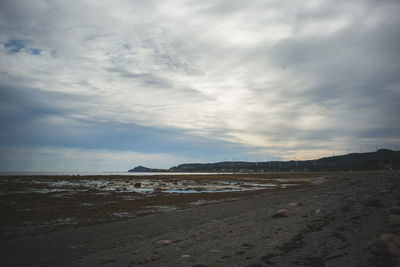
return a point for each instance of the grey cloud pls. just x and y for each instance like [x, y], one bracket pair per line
[145, 79]
[159, 83]
[180, 59]
[355, 66]
[27, 103]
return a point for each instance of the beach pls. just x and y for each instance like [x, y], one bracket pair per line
[312, 219]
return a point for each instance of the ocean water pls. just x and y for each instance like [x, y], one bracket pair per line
[52, 173]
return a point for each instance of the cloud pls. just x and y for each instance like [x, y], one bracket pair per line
[37, 118]
[266, 78]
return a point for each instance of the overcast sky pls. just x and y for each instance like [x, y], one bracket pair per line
[109, 85]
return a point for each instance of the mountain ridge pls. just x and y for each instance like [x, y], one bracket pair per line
[380, 159]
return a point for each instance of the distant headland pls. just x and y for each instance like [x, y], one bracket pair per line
[378, 160]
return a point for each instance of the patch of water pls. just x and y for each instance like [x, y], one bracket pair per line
[123, 214]
[129, 198]
[181, 191]
[45, 190]
[72, 220]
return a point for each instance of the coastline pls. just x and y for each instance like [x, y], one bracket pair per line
[331, 224]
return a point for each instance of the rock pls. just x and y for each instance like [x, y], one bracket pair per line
[386, 244]
[281, 214]
[138, 185]
[394, 210]
[163, 242]
[317, 211]
[371, 201]
[216, 251]
[294, 204]
[394, 219]
[185, 257]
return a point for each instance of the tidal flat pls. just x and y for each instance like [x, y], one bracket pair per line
[325, 219]
[40, 204]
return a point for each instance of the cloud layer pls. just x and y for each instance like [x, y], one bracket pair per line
[201, 79]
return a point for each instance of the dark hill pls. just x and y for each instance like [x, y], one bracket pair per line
[140, 169]
[381, 159]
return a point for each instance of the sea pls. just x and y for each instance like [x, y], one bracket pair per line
[53, 173]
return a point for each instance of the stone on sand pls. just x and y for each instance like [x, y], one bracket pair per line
[163, 242]
[281, 214]
[394, 219]
[185, 257]
[394, 210]
[386, 244]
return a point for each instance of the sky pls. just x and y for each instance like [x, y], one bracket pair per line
[109, 85]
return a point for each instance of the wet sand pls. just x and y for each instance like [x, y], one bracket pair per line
[41, 204]
[328, 224]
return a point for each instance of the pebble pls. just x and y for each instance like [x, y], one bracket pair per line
[294, 204]
[216, 251]
[371, 201]
[163, 242]
[394, 219]
[317, 211]
[386, 244]
[281, 214]
[185, 257]
[394, 210]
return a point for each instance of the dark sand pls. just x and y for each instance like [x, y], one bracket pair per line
[331, 225]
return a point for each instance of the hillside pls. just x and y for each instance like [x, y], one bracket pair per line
[381, 159]
[140, 169]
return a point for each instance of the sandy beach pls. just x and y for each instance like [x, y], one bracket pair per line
[332, 222]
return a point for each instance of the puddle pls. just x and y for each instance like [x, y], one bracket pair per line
[45, 190]
[162, 208]
[181, 191]
[203, 202]
[64, 221]
[288, 185]
[129, 198]
[156, 208]
[123, 214]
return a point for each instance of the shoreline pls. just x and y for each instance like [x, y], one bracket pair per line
[40, 204]
[331, 224]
